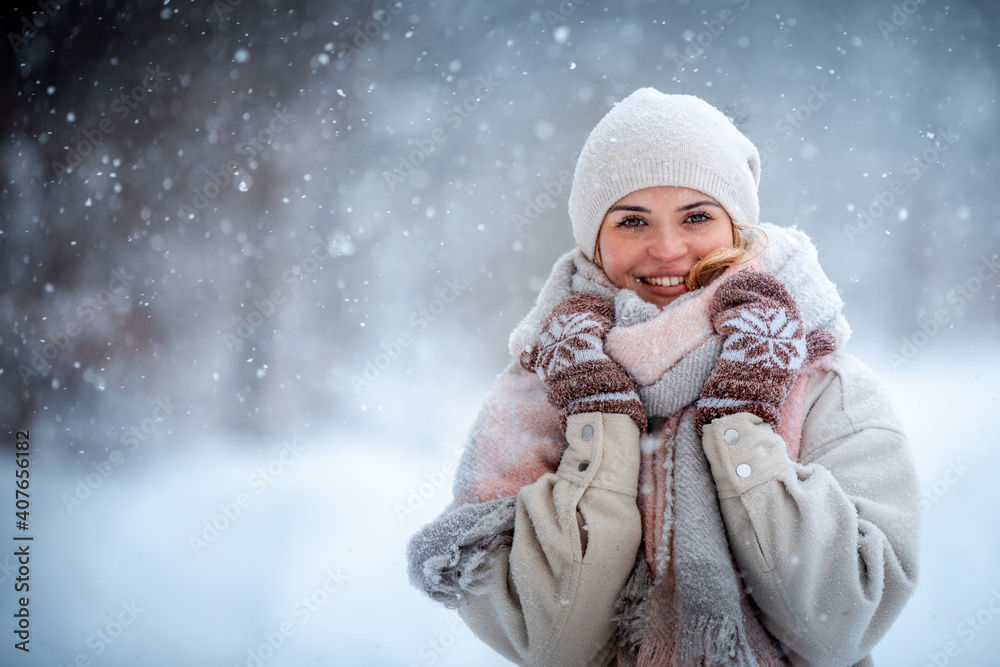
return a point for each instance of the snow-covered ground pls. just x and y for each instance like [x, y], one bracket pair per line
[950, 406]
[308, 556]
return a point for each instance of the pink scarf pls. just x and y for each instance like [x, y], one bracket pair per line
[669, 354]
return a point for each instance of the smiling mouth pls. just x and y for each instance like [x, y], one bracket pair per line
[664, 281]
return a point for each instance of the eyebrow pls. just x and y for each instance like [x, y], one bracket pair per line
[642, 209]
[697, 204]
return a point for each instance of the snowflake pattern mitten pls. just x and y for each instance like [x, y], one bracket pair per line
[763, 349]
[570, 359]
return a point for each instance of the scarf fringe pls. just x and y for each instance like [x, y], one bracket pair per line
[715, 641]
[655, 653]
[632, 607]
[452, 557]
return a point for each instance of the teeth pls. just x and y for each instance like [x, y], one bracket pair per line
[666, 281]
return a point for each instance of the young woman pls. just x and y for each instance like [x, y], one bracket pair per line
[680, 466]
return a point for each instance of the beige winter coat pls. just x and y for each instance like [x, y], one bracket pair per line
[828, 544]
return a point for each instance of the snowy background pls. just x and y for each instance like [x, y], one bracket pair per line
[259, 261]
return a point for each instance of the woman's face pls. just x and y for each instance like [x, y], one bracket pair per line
[650, 239]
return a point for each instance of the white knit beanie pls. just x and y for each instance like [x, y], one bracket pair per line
[650, 139]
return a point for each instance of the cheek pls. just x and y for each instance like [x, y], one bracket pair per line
[615, 266]
[723, 238]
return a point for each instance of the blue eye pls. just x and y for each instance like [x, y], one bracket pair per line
[699, 218]
[631, 221]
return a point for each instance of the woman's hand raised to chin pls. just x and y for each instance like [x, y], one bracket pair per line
[570, 359]
[763, 349]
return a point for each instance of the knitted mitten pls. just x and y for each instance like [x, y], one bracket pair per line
[570, 359]
[765, 346]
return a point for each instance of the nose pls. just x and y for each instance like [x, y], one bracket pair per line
[666, 245]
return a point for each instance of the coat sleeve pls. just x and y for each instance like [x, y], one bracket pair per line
[548, 602]
[828, 544]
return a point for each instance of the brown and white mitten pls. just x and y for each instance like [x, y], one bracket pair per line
[764, 347]
[570, 359]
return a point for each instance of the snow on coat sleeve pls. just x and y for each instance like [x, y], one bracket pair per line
[828, 544]
[516, 439]
[549, 604]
